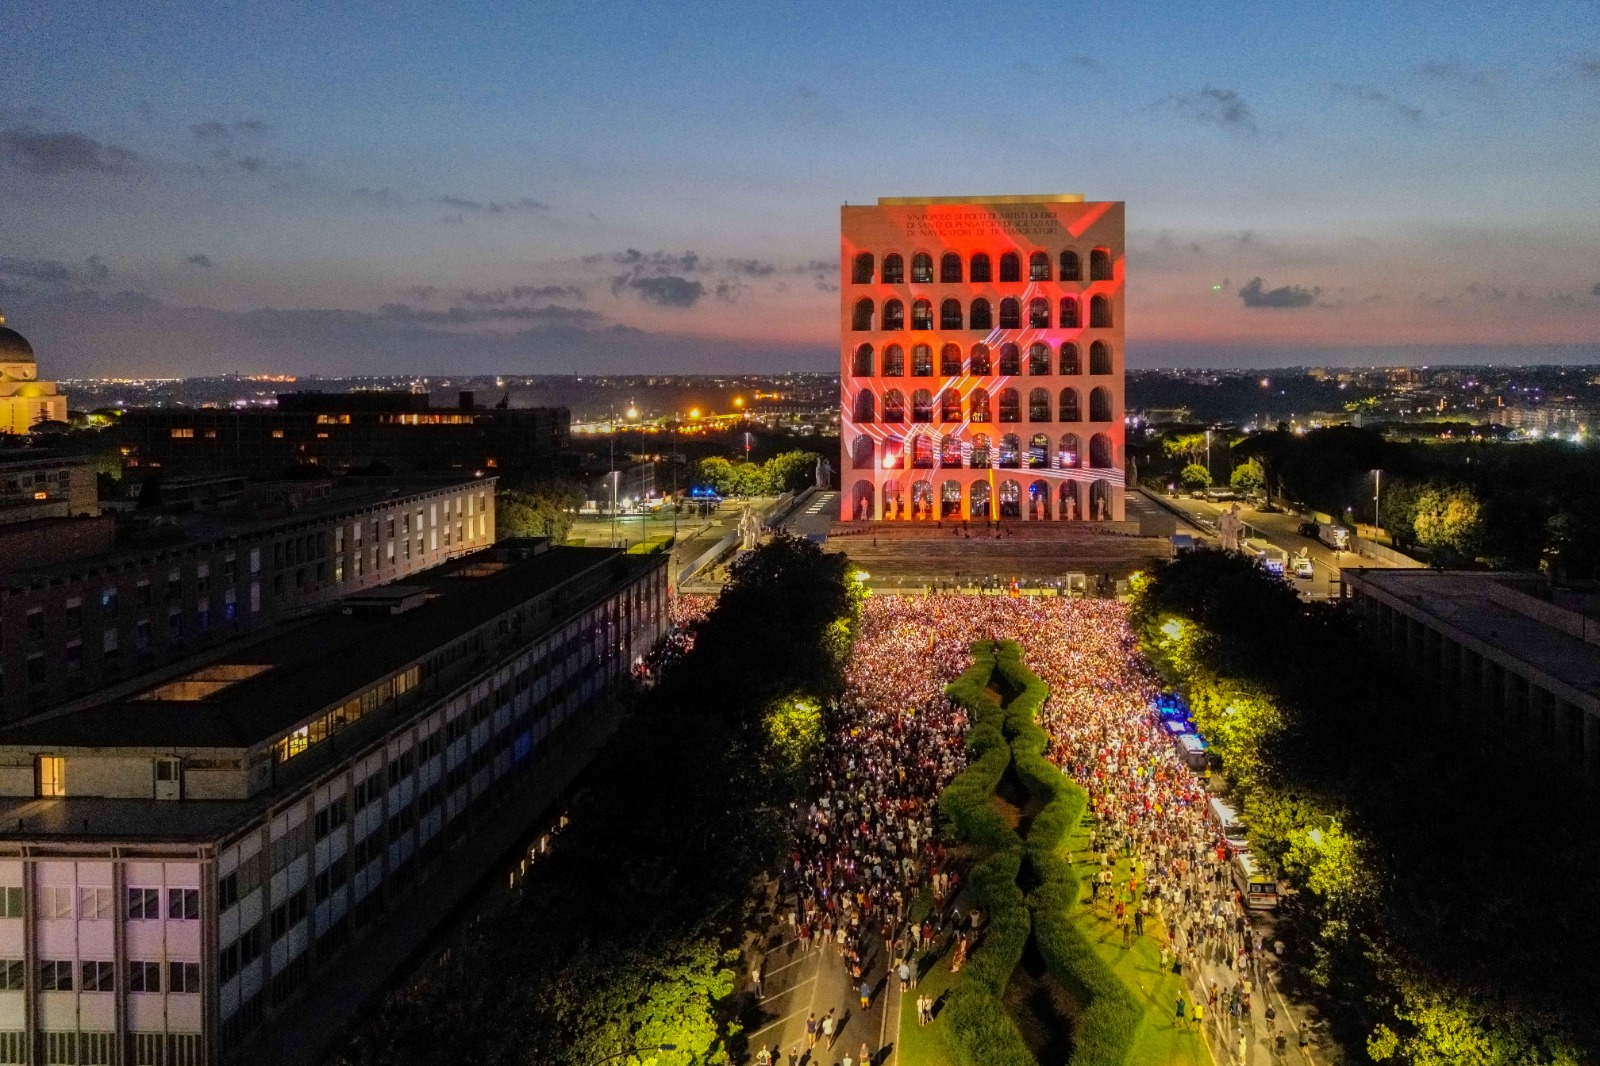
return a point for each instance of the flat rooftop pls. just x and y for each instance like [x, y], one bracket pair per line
[296, 670]
[1023, 198]
[1476, 604]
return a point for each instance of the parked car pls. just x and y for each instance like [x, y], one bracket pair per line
[1308, 529]
[1302, 566]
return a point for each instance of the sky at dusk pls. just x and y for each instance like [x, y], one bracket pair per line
[190, 187]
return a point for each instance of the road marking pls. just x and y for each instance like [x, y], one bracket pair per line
[776, 1021]
[784, 992]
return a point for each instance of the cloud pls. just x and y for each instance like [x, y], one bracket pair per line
[1588, 68]
[466, 315]
[1373, 95]
[1454, 72]
[1089, 63]
[213, 131]
[668, 290]
[37, 275]
[493, 207]
[200, 260]
[1256, 294]
[1596, 290]
[58, 154]
[752, 268]
[519, 293]
[1219, 107]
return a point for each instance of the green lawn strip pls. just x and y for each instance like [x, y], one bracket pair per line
[925, 1045]
[1124, 1019]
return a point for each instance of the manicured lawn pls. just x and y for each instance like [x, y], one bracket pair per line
[1159, 1042]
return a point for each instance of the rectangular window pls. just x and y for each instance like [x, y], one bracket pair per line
[55, 976]
[99, 976]
[74, 615]
[13, 974]
[55, 901]
[183, 904]
[52, 771]
[108, 600]
[94, 904]
[182, 433]
[183, 977]
[144, 904]
[144, 977]
[142, 594]
[36, 624]
[11, 901]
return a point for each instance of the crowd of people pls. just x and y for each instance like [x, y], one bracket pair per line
[867, 844]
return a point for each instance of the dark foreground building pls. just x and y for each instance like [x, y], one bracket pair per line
[186, 872]
[400, 431]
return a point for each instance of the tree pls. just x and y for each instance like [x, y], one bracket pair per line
[1189, 446]
[543, 509]
[1248, 476]
[790, 471]
[717, 474]
[1449, 521]
[1195, 476]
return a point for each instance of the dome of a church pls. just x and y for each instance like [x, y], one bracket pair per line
[14, 347]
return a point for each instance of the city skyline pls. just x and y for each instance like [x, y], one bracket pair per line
[477, 188]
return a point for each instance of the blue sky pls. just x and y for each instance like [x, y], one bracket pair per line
[190, 187]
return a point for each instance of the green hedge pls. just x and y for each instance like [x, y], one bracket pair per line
[1105, 1030]
[982, 1033]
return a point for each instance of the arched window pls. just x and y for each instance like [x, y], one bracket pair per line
[862, 274]
[1010, 267]
[921, 361]
[1010, 498]
[1038, 313]
[1010, 360]
[950, 359]
[921, 269]
[1070, 456]
[894, 313]
[861, 501]
[861, 365]
[1010, 313]
[1070, 509]
[864, 407]
[1071, 266]
[1068, 410]
[863, 454]
[1100, 405]
[1010, 406]
[1039, 405]
[981, 270]
[950, 495]
[1069, 312]
[1099, 358]
[894, 457]
[982, 316]
[1100, 452]
[894, 361]
[949, 406]
[1039, 452]
[1039, 266]
[950, 453]
[922, 452]
[1038, 499]
[979, 499]
[1069, 359]
[862, 319]
[1100, 500]
[894, 269]
[1099, 264]
[922, 315]
[981, 453]
[1038, 359]
[980, 360]
[950, 268]
[1010, 451]
[978, 408]
[950, 314]
[922, 406]
[894, 406]
[1099, 313]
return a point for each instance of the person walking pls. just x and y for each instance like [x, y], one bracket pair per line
[755, 977]
[811, 1030]
[866, 994]
[1177, 1014]
[1199, 1014]
[905, 975]
[828, 1029]
[864, 1057]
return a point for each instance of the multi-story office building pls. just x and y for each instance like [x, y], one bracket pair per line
[400, 432]
[71, 627]
[36, 485]
[981, 358]
[1513, 662]
[181, 864]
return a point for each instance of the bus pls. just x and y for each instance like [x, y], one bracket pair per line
[1256, 884]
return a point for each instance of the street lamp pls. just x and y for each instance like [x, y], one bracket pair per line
[636, 1050]
[1377, 499]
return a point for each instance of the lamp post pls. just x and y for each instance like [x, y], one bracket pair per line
[636, 1050]
[1377, 499]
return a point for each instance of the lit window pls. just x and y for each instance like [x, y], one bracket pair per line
[182, 434]
[52, 775]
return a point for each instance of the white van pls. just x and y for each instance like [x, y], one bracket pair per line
[1226, 821]
[1259, 887]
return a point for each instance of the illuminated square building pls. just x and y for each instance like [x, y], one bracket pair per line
[981, 359]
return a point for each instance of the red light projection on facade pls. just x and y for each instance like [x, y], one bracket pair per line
[981, 360]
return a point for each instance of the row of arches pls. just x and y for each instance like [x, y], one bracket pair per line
[981, 314]
[980, 268]
[981, 452]
[982, 362]
[918, 500]
[979, 406]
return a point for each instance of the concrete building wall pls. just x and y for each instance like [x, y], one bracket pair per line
[928, 463]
